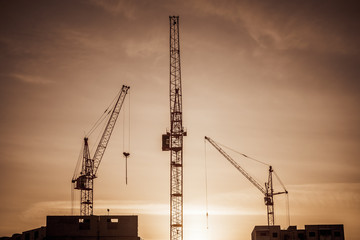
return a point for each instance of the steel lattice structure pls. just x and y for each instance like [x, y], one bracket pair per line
[85, 181]
[268, 191]
[173, 140]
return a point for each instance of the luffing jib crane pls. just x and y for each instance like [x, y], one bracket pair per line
[85, 180]
[173, 140]
[268, 191]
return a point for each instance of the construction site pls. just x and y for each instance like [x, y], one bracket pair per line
[85, 225]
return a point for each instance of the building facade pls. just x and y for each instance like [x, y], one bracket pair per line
[111, 227]
[92, 228]
[34, 234]
[311, 232]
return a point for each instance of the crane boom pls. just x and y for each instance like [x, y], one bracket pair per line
[85, 182]
[100, 150]
[268, 191]
[236, 165]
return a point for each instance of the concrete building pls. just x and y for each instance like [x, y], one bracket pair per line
[92, 228]
[112, 227]
[311, 232]
[34, 234]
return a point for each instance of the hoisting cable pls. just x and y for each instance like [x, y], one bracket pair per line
[287, 198]
[244, 155]
[282, 184]
[206, 187]
[107, 111]
[72, 198]
[126, 153]
[100, 133]
[78, 163]
[288, 208]
[74, 178]
[129, 122]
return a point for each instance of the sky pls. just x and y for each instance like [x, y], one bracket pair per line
[275, 80]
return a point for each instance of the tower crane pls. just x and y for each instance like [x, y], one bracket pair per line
[173, 141]
[268, 191]
[90, 165]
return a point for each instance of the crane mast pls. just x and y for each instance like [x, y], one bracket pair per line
[173, 140]
[268, 191]
[85, 182]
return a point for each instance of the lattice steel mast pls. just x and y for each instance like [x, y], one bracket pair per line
[173, 140]
[85, 181]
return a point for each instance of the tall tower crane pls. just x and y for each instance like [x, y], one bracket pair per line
[268, 191]
[85, 181]
[173, 140]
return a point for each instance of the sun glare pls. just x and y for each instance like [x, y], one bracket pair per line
[196, 235]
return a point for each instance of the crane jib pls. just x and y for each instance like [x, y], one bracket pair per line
[268, 191]
[84, 182]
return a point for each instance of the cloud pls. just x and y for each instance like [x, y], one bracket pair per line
[117, 7]
[327, 27]
[31, 79]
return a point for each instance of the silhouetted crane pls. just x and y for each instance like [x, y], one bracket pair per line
[268, 191]
[173, 140]
[85, 181]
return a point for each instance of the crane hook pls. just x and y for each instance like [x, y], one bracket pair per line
[126, 154]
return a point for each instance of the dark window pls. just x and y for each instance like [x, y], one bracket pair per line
[84, 223]
[337, 234]
[112, 223]
[325, 232]
[311, 234]
[275, 235]
[36, 234]
[27, 236]
[301, 236]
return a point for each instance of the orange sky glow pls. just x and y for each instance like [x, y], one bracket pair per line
[276, 80]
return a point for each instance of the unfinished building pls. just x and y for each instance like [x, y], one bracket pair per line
[311, 232]
[92, 227]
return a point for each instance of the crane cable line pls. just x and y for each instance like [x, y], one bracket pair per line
[277, 176]
[78, 163]
[256, 160]
[101, 121]
[244, 155]
[126, 150]
[103, 116]
[287, 198]
[74, 177]
[94, 144]
[288, 208]
[206, 188]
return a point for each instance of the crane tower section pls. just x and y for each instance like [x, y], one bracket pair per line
[173, 140]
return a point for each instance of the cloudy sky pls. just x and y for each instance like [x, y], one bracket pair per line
[276, 80]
